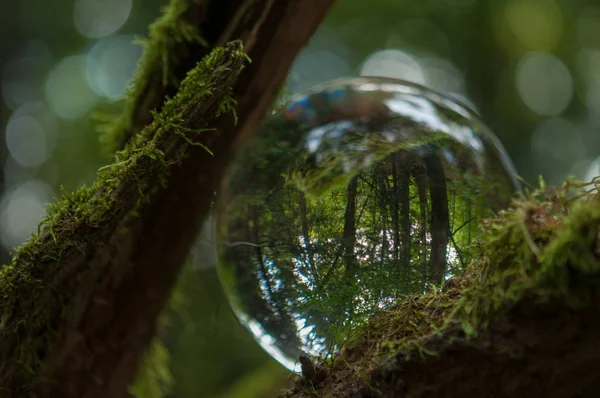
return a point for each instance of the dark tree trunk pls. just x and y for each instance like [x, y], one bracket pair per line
[349, 237]
[404, 199]
[382, 176]
[420, 176]
[440, 230]
[394, 200]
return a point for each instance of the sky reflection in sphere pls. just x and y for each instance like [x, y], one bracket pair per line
[352, 196]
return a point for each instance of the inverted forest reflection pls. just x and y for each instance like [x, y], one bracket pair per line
[349, 198]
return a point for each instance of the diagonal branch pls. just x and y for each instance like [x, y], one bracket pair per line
[79, 303]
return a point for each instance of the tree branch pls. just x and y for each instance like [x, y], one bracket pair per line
[79, 302]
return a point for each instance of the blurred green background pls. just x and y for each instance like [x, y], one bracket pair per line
[528, 67]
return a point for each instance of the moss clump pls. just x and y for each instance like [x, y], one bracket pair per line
[37, 285]
[543, 252]
[177, 112]
[169, 40]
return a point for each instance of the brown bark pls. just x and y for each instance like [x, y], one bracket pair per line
[106, 290]
[538, 349]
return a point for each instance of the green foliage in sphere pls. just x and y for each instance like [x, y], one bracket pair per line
[351, 197]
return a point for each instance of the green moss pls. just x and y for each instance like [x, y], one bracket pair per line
[78, 223]
[197, 87]
[169, 36]
[544, 247]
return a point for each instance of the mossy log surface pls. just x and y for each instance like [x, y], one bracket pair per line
[80, 301]
[522, 322]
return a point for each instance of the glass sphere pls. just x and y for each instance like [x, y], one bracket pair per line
[350, 197]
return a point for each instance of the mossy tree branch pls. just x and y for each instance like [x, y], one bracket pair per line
[522, 322]
[79, 302]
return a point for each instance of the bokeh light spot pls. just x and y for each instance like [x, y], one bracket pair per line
[67, 91]
[21, 211]
[314, 67]
[556, 145]
[588, 64]
[41, 112]
[99, 18]
[442, 75]
[544, 83]
[395, 64]
[26, 140]
[537, 24]
[15, 174]
[593, 170]
[110, 63]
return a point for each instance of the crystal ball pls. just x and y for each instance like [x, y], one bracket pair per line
[349, 198]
